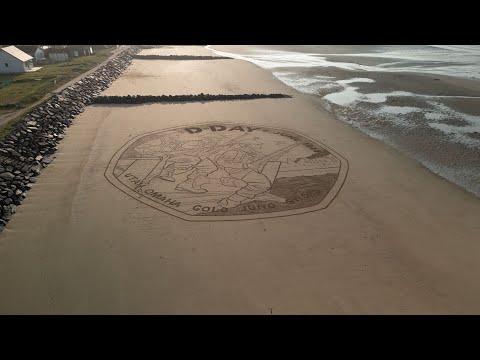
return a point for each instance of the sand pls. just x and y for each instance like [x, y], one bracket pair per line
[396, 239]
[167, 50]
[154, 77]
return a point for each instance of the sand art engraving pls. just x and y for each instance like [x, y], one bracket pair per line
[228, 172]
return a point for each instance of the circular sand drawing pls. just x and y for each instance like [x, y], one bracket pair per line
[228, 172]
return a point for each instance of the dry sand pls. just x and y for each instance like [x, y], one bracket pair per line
[397, 239]
[169, 77]
[167, 50]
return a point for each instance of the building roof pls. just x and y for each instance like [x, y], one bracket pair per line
[78, 47]
[17, 53]
[55, 49]
[29, 49]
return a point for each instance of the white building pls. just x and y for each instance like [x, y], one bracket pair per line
[14, 60]
[40, 53]
[58, 56]
[80, 50]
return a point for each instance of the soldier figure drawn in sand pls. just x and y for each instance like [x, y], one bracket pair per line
[208, 172]
[233, 163]
[179, 156]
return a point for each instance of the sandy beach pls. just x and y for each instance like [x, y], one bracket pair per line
[387, 235]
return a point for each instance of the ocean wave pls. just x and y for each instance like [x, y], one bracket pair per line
[459, 48]
[416, 59]
[453, 135]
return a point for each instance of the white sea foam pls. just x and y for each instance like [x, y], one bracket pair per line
[467, 178]
[448, 112]
[399, 110]
[307, 85]
[348, 96]
[435, 116]
[356, 80]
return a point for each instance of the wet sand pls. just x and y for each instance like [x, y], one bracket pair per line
[397, 239]
[424, 84]
[415, 134]
[431, 118]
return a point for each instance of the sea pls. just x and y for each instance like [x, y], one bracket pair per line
[392, 93]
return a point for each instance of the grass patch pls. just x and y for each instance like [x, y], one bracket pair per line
[27, 88]
[8, 127]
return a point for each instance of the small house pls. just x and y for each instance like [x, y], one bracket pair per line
[36, 51]
[14, 60]
[28, 49]
[57, 53]
[39, 54]
[79, 50]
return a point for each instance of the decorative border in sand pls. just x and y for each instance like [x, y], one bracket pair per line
[128, 182]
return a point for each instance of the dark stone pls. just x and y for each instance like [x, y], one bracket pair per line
[47, 159]
[7, 175]
[31, 145]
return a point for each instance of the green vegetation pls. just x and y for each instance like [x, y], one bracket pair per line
[5, 130]
[27, 88]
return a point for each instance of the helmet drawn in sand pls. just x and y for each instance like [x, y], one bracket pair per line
[178, 154]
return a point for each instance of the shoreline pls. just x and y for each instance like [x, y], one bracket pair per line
[395, 239]
[429, 119]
